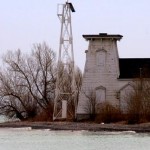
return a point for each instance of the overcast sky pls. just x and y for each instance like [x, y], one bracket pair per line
[25, 22]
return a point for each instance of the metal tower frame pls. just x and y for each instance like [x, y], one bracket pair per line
[65, 59]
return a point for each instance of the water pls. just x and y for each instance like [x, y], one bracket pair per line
[28, 139]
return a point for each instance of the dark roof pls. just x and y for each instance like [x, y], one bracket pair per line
[102, 36]
[134, 68]
[71, 6]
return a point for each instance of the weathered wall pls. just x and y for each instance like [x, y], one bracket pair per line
[100, 74]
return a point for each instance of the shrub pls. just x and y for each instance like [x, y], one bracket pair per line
[108, 113]
[138, 102]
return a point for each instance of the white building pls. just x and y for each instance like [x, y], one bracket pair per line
[105, 75]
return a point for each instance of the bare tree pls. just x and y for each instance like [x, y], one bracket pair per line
[28, 82]
[91, 104]
[15, 98]
[66, 84]
[75, 96]
[43, 75]
[138, 101]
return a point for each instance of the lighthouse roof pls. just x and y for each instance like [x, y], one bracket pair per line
[102, 36]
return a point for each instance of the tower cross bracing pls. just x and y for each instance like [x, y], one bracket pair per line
[63, 97]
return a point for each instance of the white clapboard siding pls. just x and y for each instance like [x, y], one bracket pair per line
[101, 73]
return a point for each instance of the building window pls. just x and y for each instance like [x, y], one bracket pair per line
[101, 57]
[100, 95]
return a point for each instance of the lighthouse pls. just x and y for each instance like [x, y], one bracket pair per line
[101, 73]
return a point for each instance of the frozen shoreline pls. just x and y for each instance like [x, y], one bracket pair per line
[75, 126]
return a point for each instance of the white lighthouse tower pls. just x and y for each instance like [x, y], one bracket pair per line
[100, 74]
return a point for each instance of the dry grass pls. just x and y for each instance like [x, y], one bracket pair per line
[108, 113]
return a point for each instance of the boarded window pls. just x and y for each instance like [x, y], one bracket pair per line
[100, 95]
[124, 93]
[101, 58]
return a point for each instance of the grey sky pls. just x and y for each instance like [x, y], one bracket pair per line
[25, 22]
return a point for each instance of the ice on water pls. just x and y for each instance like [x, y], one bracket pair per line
[30, 139]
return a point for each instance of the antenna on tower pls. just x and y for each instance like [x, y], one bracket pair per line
[64, 98]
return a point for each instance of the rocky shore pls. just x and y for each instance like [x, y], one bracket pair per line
[141, 128]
